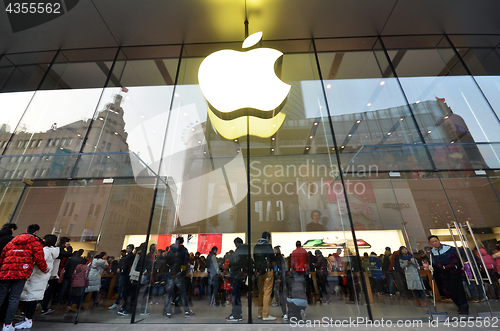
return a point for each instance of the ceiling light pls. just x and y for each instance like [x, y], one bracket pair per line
[272, 149]
[358, 121]
[342, 146]
[429, 131]
[368, 104]
[417, 102]
[446, 117]
[315, 123]
[328, 86]
[307, 148]
[349, 135]
[382, 83]
[402, 119]
[389, 133]
[273, 138]
[310, 137]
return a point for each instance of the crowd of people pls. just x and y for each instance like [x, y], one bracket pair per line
[40, 270]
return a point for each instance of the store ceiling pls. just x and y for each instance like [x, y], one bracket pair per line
[101, 23]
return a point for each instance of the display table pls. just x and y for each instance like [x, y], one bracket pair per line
[358, 274]
[197, 274]
[111, 284]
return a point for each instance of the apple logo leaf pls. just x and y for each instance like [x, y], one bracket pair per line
[252, 39]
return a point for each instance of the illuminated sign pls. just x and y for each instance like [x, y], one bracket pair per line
[242, 90]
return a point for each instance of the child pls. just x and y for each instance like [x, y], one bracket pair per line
[78, 282]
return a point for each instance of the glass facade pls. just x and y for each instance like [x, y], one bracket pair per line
[380, 142]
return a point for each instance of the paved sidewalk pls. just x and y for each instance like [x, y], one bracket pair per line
[44, 326]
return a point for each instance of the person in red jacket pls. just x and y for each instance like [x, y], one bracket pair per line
[300, 259]
[16, 266]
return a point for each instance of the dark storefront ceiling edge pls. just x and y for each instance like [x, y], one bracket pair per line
[111, 23]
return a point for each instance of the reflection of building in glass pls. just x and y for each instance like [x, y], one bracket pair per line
[79, 210]
[298, 183]
[107, 135]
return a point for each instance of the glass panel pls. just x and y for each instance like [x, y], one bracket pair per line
[475, 206]
[62, 208]
[15, 105]
[292, 175]
[473, 199]
[47, 126]
[448, 105]
[206, 183]
[47, 122]
[97, 217]
[382, 226]
[10, 192]
[73, 69]
[424, 210]
[365, 101]
[62, 165]
[494, 177]
[154, 284]
[24, 71]
[125, 217]
[133, 114]
[484, 64]
[404, 197]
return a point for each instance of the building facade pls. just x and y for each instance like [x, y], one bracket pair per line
[389, 133]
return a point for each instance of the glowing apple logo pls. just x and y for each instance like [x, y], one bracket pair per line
[243, 86]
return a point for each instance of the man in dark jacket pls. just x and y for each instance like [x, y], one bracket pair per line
[124, 269]
[447, 259]
[177, 260]
[398, 275]
[263, 255]
[281, 275]
[238, 271]
[322, 275]
[16, 265]
[7, 234]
